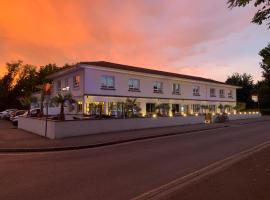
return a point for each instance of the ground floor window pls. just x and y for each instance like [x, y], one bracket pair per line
[175, 108]
[150, 108]
[212, 108]
[196, 108]
[95, 108]
[79, 106]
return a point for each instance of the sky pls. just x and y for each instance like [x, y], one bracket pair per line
[201, 38]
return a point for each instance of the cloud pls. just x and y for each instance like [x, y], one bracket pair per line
[154, 33]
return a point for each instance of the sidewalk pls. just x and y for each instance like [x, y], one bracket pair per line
[248, 179]
[13, 139]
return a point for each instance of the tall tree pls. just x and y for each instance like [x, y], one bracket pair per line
[263, 12]
[265, 64]
[246, 82]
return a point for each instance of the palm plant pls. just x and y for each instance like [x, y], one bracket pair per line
[131, 106]
[27, 100]
[62, 100]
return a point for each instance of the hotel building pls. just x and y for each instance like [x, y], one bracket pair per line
[101, 87]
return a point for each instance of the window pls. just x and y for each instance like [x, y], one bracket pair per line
[107, 82]
[58, 85]
[196, 91]
[196, 108]
[66, 82]
[230, 94]
[157, 87]
[134, 85]
[176, 88]
[76, 81]
[79, 106]
[175, 108]
[221, 93]
[212, 92]
[150, 108]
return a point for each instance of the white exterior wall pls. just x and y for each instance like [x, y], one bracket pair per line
[93, 85]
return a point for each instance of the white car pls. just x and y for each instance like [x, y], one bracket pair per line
[6, 114]
[14, 118]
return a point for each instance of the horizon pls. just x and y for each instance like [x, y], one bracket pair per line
[161, 36]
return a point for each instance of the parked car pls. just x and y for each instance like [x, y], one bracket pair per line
[6, 113]
[14, 117]
[34, 112]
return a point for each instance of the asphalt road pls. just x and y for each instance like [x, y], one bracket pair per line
[122, 171]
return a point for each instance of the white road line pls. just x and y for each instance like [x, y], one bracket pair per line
[164, 191]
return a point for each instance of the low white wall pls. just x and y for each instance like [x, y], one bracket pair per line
[85, 127]
[61, 129]
[243, 116]
[37, 126]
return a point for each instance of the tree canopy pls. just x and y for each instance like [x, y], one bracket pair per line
[20, 81]
[263, 12]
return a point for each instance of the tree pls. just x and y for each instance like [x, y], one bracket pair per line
[265, 64]
[245, 81]
[131, 106]
[62, 100]
[263, 13]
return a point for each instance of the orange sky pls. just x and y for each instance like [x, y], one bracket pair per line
[176, 35]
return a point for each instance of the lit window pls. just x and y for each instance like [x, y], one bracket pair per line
[157, 87]
[212, 92]
[196, 91]
[76, 81]
[176, 88]
[134, 85]
[221, 93]
[107, 82]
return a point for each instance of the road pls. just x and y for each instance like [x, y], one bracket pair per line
[121, 171]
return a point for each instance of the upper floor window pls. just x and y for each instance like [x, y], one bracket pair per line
[196, 91]
[76, 81]
[107, 82]
[176, 88]
[66, 82]
[221, 93]
[212, 92]
[230, 94]
[58, 85]
[133, 85]
[158, 87]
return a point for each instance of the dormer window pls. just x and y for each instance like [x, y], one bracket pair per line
[107, 82]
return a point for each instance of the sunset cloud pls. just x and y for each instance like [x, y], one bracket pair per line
[159, 34]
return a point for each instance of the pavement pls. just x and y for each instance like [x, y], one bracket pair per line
[17, 140]
[248, 179]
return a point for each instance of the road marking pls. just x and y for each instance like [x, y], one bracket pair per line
[164, 191]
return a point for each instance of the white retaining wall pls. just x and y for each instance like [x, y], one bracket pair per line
[243, 116]
[62, 129]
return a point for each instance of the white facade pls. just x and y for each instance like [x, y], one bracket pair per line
[105, 86]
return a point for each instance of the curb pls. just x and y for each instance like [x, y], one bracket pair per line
[91, 146]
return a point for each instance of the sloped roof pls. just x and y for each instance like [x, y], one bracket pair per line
[149, 71]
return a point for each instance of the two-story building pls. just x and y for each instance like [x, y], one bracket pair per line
[102, 86]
